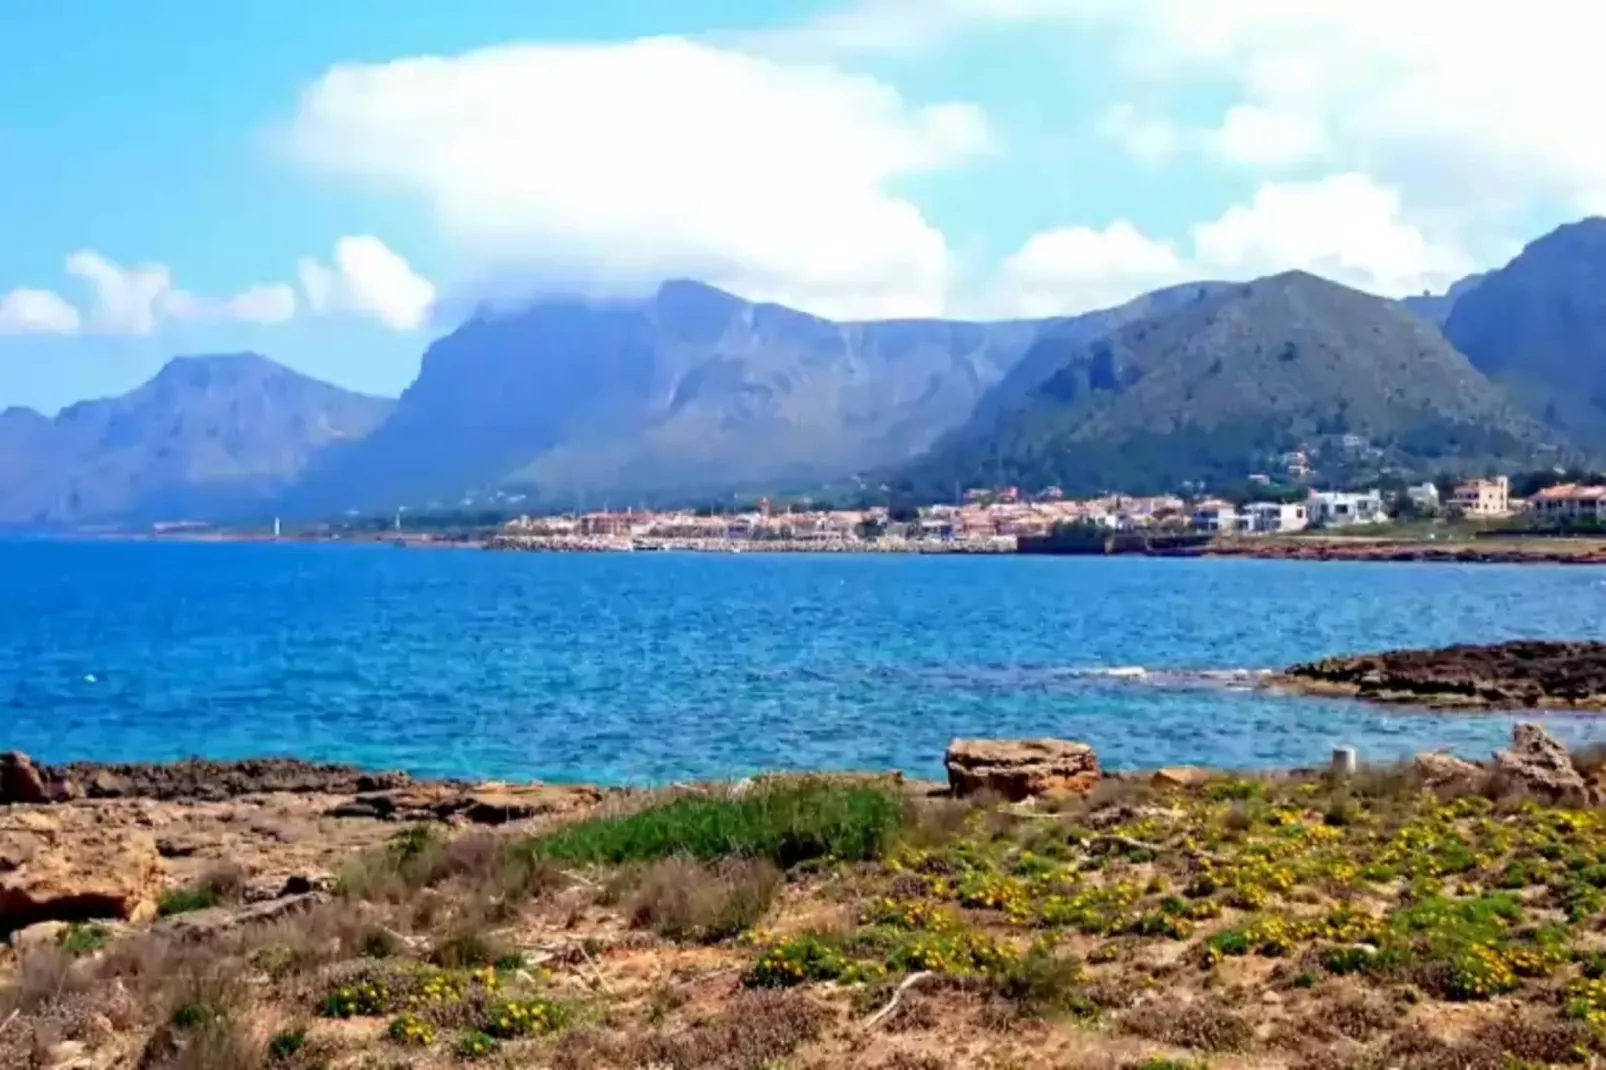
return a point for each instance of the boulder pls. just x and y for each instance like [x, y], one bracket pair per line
[1443, 770]
[1540, 765]
[1021, 769]
[497, 804]
[1179, 777]
[21, 781]
[214, 921]
[65, 865]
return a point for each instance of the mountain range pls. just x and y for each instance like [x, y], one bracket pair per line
[694, 392]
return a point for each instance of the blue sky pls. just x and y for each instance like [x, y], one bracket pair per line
[295, 178]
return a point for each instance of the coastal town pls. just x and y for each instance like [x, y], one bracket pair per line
[1000, 521]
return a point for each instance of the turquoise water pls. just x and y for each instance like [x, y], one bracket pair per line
[649, 668]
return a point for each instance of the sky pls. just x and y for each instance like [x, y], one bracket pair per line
[335, 187]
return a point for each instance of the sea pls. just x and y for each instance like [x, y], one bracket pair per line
[652, 668]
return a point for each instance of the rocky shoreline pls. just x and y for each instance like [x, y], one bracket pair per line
[1035, 912]
[1397, 551]
[1526, 674]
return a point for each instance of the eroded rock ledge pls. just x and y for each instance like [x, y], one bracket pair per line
[1527, 674]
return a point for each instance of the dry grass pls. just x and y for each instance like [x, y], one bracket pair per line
[685, 900]
[1195, 1024]
[755, 1031]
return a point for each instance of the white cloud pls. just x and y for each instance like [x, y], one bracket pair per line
[127, 300]
[1344, 227]
[1148, 139]
[1260, 137]
[1476, 112]
[25, 311]
[1074, 269]
[136, 300]
[634, 161]
[370, 279]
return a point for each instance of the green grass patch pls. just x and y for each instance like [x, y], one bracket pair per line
[788, 825]
[80, 940]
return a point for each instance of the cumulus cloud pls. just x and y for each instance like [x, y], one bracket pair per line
[370, 279]
[1344, 227]
[140, 298]
[1073, 269]
[126, 300]
[1476, 111]
[1261, 137]
[657, 157]
[25, 311]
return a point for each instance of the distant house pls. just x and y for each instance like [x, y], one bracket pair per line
[1569, 503]
[1297, 464]
[1272, 518]
[1339, 509]
[1425, 496]
[1482, 499]
[1218, 517]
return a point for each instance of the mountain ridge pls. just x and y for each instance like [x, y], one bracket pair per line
[1226, 383]
[210, 433]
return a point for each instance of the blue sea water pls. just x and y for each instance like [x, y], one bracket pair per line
[649, 668]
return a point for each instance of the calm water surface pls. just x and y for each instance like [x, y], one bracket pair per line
[647, 668]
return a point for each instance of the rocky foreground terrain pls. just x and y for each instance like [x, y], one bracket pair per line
[1036, 913]
[1531, 674]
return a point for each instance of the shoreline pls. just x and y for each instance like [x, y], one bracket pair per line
[1308, 548]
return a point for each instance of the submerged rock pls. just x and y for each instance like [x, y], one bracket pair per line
[1021, 769]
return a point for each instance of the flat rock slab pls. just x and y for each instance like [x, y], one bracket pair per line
[66, 864]
[1528, 674]
[1021, 769]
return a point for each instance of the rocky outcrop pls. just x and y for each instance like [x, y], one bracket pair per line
[1541, 766]
[20, 781]
[487, 804]
[1021, 769]
[1444, 770]
[198, 778]
[63, 864]
[1527, 674]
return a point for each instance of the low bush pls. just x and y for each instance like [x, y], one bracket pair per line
[684, 900]
[222, 884]
[785, 824]
[1197, 1025]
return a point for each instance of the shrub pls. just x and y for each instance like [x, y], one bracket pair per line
[757, 1030]
[474, 1045]
[466, 948]
[786, 824]
[682, 900]
[411, 1030]
[1197, 1025]
[1042, 983]
[522, 1018]
[810, 957]
[286, 1045]
[80, 940]
[223, 883]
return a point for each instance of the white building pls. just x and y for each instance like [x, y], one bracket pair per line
[1218, 517]
[1271, 518]
[1425, 496]
[1338, 509]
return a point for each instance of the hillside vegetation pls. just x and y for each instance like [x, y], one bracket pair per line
[1217, 388]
